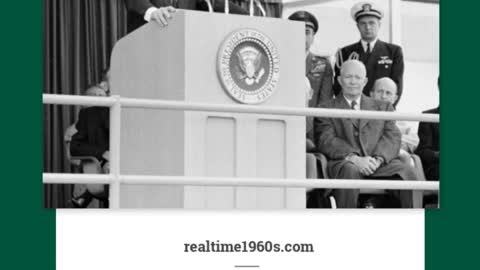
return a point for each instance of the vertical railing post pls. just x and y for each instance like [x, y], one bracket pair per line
[115, 115]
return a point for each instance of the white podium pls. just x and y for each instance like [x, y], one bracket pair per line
[179, 62]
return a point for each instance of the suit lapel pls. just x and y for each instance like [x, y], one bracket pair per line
[367, 105]
[343, 104]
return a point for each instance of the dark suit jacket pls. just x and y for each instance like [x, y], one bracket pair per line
[338, 137]
[429, 147]
[137, 8]
[92, 138]
[320, 74]
[385, 60]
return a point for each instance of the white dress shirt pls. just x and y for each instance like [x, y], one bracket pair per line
[357, 100]
[372, 44]
[148, 13]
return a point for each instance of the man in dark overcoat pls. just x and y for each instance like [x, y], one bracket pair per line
[361, 148]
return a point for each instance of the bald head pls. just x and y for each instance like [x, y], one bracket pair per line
[96, 91]
[353, 78]
[384, 89]
[355, 66]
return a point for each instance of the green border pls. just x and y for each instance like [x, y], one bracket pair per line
[27, 229]
[452, 233]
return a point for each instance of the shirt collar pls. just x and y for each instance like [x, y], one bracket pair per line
[357, 100]
[372, 44]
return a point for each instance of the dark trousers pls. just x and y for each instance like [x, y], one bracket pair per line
[348, 198]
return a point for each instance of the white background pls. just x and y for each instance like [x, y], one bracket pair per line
[154, 239]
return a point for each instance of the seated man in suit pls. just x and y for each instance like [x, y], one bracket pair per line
[429, 146]
[361, 148]
[105, 82]
[385, 89]
[92, 139]
[161, 11]
[92, 91]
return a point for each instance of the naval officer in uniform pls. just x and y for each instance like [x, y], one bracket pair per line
[381, 59]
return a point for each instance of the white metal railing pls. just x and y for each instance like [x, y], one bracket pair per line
[208, 107]
[114, 179]
[67, 178]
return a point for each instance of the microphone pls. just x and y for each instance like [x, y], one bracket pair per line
[209, 4]
[262, 10]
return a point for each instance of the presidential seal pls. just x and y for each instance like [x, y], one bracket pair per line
[248, 66]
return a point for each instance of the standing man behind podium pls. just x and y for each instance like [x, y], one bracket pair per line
[161, 11]
[381, 59]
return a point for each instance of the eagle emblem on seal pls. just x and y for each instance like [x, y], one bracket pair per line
[250, 60]
[248, 66]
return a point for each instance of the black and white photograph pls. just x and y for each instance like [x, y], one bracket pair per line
[241, 104]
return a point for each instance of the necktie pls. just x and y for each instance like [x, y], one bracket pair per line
[368, 47]
[353, 104]
[355, 121]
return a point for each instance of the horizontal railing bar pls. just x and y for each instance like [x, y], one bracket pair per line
[317, 112]
[78, 100]
[75, 178]
[232, 108]
[246, 182]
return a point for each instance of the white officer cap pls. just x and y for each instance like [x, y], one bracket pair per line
[366, 9]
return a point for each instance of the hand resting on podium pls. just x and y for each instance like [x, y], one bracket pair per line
[161, 15]
[162, 11]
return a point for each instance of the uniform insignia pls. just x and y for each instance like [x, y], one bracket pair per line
[354, 56]
[384, 60]
[339, 57]
[366, 7]
[319, 67]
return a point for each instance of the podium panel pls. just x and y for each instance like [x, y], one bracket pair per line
[180, 62]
